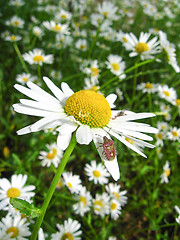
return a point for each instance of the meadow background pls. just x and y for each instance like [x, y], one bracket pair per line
[149, 210]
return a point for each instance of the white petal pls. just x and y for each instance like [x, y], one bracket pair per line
[55, 90]
[66, 89]
[84, 134]
[67, 128]
[24, 130]
[113, 168]
[111, 99]
[63, 140]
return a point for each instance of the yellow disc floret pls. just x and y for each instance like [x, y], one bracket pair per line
[89, 107]
[141, 47]
[14, 232]
[13, 193]
[67, 236]
[38, 58]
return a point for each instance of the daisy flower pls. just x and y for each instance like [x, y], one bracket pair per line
[81, 44]
[142, 47]
[16, 3]
[15, 22]
[13, 38]
[52, 156]
[162, 126]
[147, 87]
[114, 191]
[83, 204]
[41, 234]
[37, 56]
[88, 113]
[101, 204]
[92, 84]
[167, 93]
[166, 109]
[169, 50]
[93, 70]
[38, 32]
[63, 15]
[108, 10]
[56, 27]
[56, 74]
[14, 189]
[72, 182]
[14, 227]
[97, 173]
[69, 230]
[166, 172]
[173, 134]
[160, 136]
[178, 211]
[115, 209]
[116, 65]
[24, 78]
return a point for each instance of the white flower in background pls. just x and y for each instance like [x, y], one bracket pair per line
[116, 65]
[96, 19]
[169, 50]
[108, 10]
[69, 230]
[115, 209]
[63, 15]
[101, 204]
[114, 191]
[38, 32]
[166, 109]
[16, 3]
[13, 38]
[63, 41]
[37, 56]
[24, 78]
[166, 172]
[162, 126]
[14, 227]
[112, 238]
[14, 189]
[56, 74]
[167, 93]
[178, 211]
[96, 173]
[146, 49]
[147, 87]
[92, 84]
[93, 70]
[52, 156]
[72, 182]
[5, 34]
[160, 136]
[84, 203]
[119, 93]
[121, 36]
[81, 44]
[173, 134]
[15, 22]
[177, 104]
[86, 112]
[41, 234]
[56, 27]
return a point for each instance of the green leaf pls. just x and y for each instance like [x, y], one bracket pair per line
[16, 159]
[24, 207]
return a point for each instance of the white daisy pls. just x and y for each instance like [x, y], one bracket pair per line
[166, 172]
[162, 126]
[174, 134]
[169, 50]
[86, 112]
[56, 27]
[166, 109]
[96, 173]
[38, 32]
[147, 87]
[37, 56]
[108, 10]
[81, 44]
[69, 230]
[115, 209]
[93, 70]
[16, 3]
[178, 211]
[146, 49]
[101, 204]
[116, 65]
[52, 156]
[24, 78]
[160, 136]
[83, 204]
[14, 227]
[14, 189]
[15, 22]
[13, 38]
[167, 93]
[121, 36]
[56, 74]
[72, 182]
[63, 15]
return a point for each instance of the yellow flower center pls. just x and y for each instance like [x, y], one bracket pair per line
[148, 85]
[97, 205]
[94, 71]
[167, 172]
[52, 154]
[115, 66]
[57, 28]
[82, 46]
[13, 193]
[105, 14]
[116, 194]
[14, 232]
[163, 127]
[13, 38]
[113, 206]
[89, 107]
[84, 17]
[178, 102]
[16, 23]
[38, 58]
[96, 173]
[67, 236]
[141, 47]
[83, 200]
[63, 16]
[124, 39]
[174, 133]
[94, 88]
[69, 185]
[25, 79]
[166, 93]
[160, 136]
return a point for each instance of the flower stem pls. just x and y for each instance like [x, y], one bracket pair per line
[20, 57]
[52, 188]
[39, 72]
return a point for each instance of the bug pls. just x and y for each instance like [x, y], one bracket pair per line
[119, 114]
[109, 148]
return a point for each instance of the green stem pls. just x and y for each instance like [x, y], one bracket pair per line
[20, 57]
[52, 188]
[174, 117]
[33, 42]
[39, 72]
[134, 82]
[127, 71]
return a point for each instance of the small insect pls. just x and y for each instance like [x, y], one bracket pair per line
[119, 114]
[109, 148]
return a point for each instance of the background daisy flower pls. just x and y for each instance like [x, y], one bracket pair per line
[37, 56]
[101, 204]
[166, 172]
[116, 65]
[72, 182]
